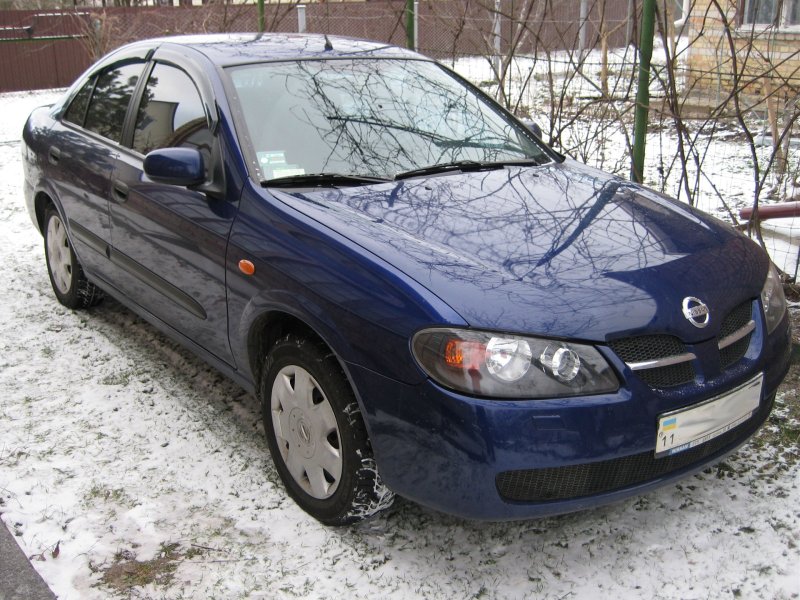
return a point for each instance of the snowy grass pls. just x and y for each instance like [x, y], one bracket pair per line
[150, 474]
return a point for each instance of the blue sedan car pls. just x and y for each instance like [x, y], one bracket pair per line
[427, 300]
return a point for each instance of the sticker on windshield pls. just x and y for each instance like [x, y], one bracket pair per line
[274, 157]
[273, 165]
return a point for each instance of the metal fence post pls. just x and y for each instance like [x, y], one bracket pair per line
[301, 18]
[496, 38]
[643, 89]
[629, 25]
[416, 26]
[584, 21]
[410, 24]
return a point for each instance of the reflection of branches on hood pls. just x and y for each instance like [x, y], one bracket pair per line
[604, 196]
[526, 232]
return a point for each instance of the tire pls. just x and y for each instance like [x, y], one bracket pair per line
[69, 283]
[316, 434]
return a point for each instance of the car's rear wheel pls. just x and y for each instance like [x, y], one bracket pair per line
[69, 283]
[317, 436]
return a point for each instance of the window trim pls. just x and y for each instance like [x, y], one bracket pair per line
[189, 62]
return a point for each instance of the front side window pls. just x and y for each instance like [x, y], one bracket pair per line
[369, 117]
[109, 103]
[171, 112]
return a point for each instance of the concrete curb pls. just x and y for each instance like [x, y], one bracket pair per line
[18, 579]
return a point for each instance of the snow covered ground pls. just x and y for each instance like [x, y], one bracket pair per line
[129, 468]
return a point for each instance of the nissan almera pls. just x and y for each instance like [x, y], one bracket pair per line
[427, 299]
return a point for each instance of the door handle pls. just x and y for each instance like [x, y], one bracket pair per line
[54, 155]
[121, 190]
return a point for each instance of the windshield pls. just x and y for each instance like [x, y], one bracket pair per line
[369, 117]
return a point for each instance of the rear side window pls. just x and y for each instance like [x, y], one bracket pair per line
[112, 94]
[77, 108]
[171, 113]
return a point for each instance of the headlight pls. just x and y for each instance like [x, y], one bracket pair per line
[508, 366]
[772, 299]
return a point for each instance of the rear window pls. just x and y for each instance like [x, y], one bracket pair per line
[77, 108]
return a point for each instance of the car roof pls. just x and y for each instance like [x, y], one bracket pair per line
[242, 48]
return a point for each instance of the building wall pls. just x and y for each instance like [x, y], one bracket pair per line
[767, 58]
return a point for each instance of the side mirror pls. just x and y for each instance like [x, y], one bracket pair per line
[534, 128]
[175, 166]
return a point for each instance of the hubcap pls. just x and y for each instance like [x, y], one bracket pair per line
[59, 258]
[306, 432]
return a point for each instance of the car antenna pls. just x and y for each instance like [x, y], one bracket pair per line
[328, 45]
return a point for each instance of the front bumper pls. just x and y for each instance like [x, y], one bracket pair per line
[499, 460]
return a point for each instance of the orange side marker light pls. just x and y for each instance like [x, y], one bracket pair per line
[246, 267]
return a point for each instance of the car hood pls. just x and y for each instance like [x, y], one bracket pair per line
[560, 250]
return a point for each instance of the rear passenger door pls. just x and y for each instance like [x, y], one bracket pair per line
[170, 241]
[83, 147]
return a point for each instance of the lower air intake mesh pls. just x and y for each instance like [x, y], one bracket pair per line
[559, 483]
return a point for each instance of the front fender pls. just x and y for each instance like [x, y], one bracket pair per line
[357, 302]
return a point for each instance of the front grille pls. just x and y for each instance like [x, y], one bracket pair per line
[575, 481]
[654, 347]
[738, 318]
[647, 347]
[734, 352]
[659, 347]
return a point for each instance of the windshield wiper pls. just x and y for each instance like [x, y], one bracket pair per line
[466, 165]
[323, 180]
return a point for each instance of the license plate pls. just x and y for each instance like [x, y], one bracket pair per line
[686, 428]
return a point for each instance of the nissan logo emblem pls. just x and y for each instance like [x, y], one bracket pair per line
[696, 311]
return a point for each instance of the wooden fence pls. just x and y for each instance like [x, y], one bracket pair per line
[46, 49]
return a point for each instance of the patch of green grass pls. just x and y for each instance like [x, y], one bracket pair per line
[193, 552]
[102, 493]
[127, 573]
[121, 378]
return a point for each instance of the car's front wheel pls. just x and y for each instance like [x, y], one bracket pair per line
[69, 283]
[317, 436]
